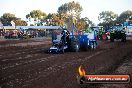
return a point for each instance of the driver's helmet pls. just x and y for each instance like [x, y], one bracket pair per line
[65, 31]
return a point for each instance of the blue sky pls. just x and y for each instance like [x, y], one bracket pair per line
[91, 8]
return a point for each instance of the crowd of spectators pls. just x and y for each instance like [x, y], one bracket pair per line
[17, 34]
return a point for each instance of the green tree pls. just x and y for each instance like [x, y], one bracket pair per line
[71, 8]
[69, 13]
[124, 16]
[88, 21]
[81, 24]
[6, 18]
[20, 22]
[107, 18]
[36, 14]
[54, 19]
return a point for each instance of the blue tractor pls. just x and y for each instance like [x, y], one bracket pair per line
[73, 43]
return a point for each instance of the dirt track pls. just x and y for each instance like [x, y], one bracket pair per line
[29, 67]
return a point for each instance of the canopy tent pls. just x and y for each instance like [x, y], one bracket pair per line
[38, 27]
[9, 27]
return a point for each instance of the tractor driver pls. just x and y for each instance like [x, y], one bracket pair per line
[65, 36]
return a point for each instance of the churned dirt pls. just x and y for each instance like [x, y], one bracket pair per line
[24, 64]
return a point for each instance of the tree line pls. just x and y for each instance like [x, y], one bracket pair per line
[67, 13]
[109, 18]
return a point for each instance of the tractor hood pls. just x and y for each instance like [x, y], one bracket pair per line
[53, 47]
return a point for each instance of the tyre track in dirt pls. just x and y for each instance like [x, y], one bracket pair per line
[64, 77]
[122, 68]
[36, 72]
[9, 43]
[18, 68]
[11, 57]
[61, 66]
[22, 60]
[17, 54]
[25, 44]
[40, 69]
[17, 59]
[50, 62]
[6, 42]
[108, 64]
[18, 50]
[15, 49]
[55, 67]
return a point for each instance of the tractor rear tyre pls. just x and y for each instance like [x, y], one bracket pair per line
[123, 39]
[62, 51]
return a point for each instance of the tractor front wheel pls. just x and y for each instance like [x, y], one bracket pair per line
[75, 47]
[93, 45]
